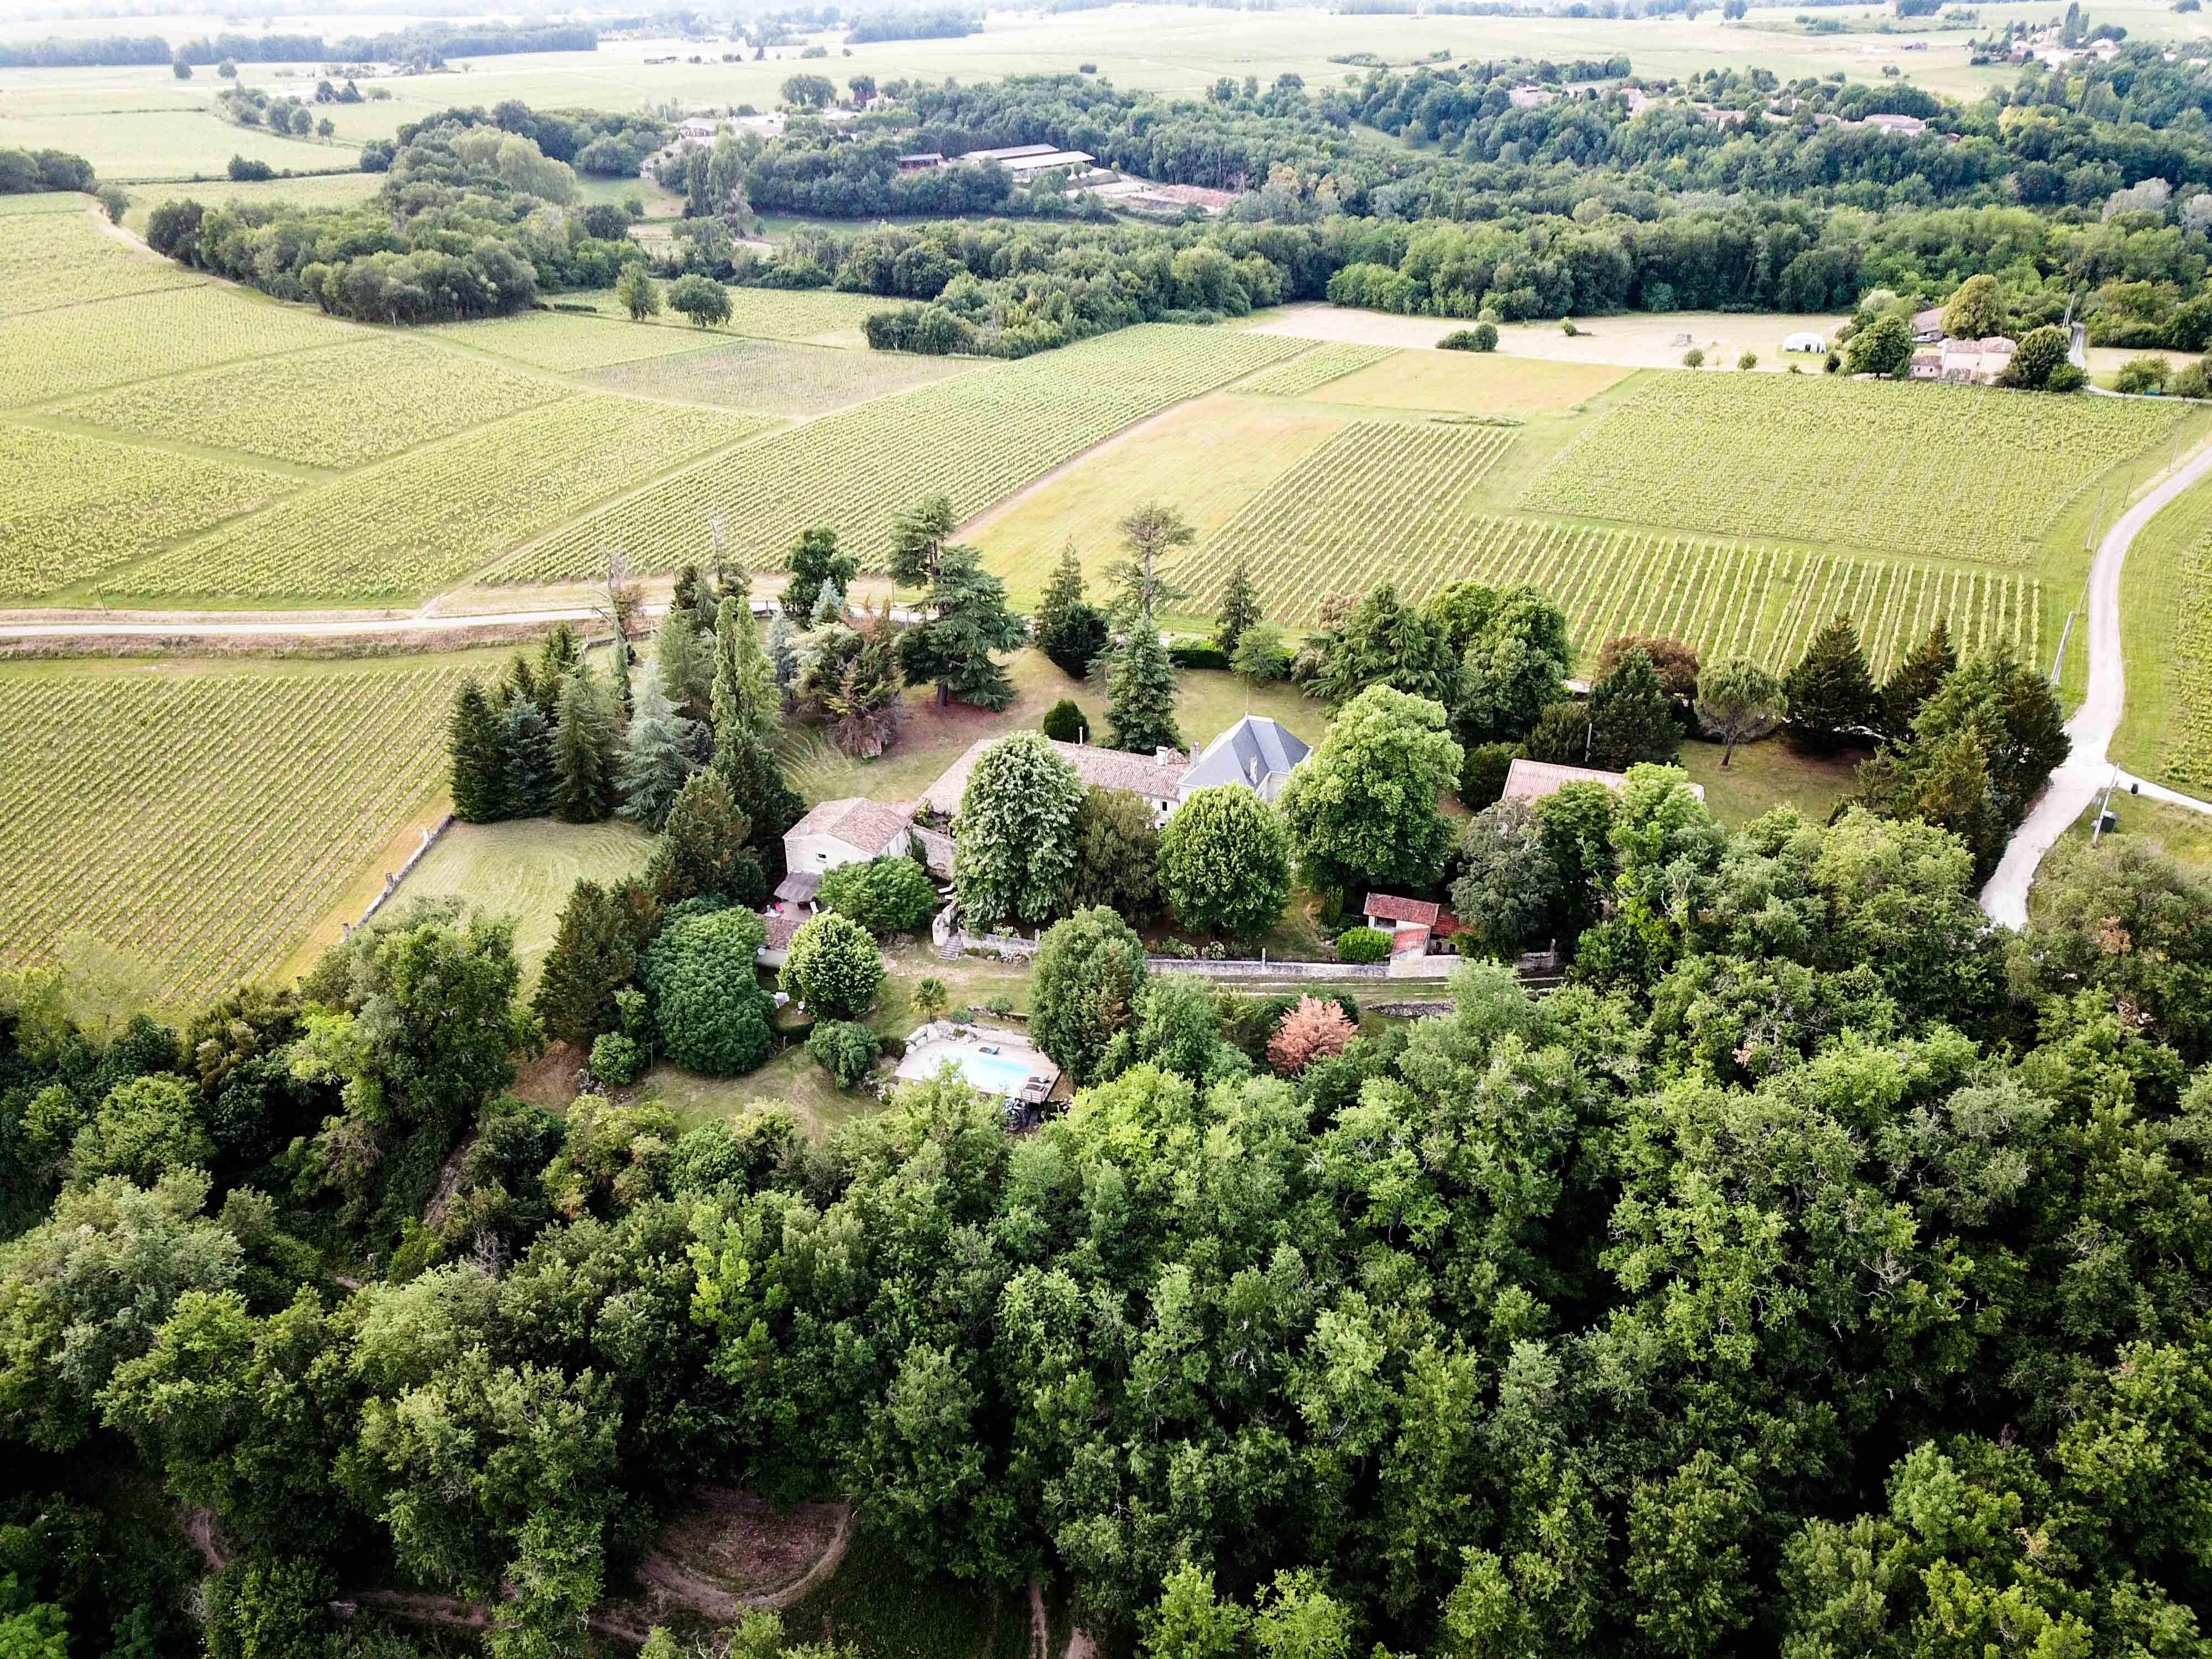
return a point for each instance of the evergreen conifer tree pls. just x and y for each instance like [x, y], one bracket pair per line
[683, 663]
[1830, 690]
[525, 762]
[1240, 608]
[704, 847]
[814, 560]
[969, 621]
[1068, 629]
[783, 651]
[1631, 717]
[584, 750]
[472, 742]
[559, 652]
[829, 606]
[745, 701]
[594, 954]
[659, 758]
[1140, 693]
[1916, 681]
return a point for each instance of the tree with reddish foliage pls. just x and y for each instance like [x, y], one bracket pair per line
[1313, 1030]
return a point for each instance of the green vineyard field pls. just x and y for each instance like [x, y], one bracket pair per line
[1726, 598]
[1353, 513]
[295, 780]
[1934, 471]
[37, 202]
[75, 507]
[1316, 368]
[432, 516]
[977, 437]
[310, 407]
[2188, 751]
[51, 355]
[52, 259]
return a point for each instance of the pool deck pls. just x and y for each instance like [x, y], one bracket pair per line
[940, 1043]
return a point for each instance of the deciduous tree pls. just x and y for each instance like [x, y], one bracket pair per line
[833, 967]
[1014, 839]
[1362, 810]
[1225, 862]
[1082, 991]
[1736, 698]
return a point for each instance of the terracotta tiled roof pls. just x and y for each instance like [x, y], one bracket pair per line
[867, 825]
[778, 930]
[1390, 907]
[1101, 768]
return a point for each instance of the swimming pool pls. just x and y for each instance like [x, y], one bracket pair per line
[997, 1074]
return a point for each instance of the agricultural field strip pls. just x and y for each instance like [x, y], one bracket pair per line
[2188, 753]
[1936, 472]
[563, 343]
[1312, 369]
[215, 882]
[53, 356]
[761, 313]
[336, 406]
[1728, 598]
[75, 507]
[424, 520]
[1359, 502]
[52, 261]
[978, 437]
[777, 377]
[38, 201]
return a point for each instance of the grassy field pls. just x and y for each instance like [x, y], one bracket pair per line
[2182, 836]
[1937, 472]
[427, 518]
[1210, 458]
[567, 343]
[1323, 364]
[51, 259]
[765, 313]
[2166, 642]
[308, 408]
[777, 377]
[1469, 381]
[976, 437]
[1769, 773]
[135, 145]
[53, 354]
[317, 189]
[524, 869]
[202, 818]
[75, 507]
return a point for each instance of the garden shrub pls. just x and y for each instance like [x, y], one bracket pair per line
[844, 1048]
[617, 1061]
[713, 1015]
[1362, 944]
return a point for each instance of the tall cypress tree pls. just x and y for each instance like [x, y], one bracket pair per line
[1916, 681]
[1240, 608]
[583, 750]
[472, 742]
[745, 707]
[525, 762]
[1141, 692]
[1831, 692]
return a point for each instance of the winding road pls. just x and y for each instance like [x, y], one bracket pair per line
[2089, 769]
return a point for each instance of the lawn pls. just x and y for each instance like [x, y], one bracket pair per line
[524, 869]
[1772, 773]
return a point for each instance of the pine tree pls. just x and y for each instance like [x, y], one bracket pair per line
[1630, 718]
[1916, 681]
[969, 622]
[1240, 608]
[829, 606]
[522, 682]
[1068, 629]
[704, 847]
[583, 750]
[1141, 692]
[525, 762]
[560, 652]
[1148, 534]
[472, 742]
[918, 540]
[1830, 693]
[690, 589]
[658, 760]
